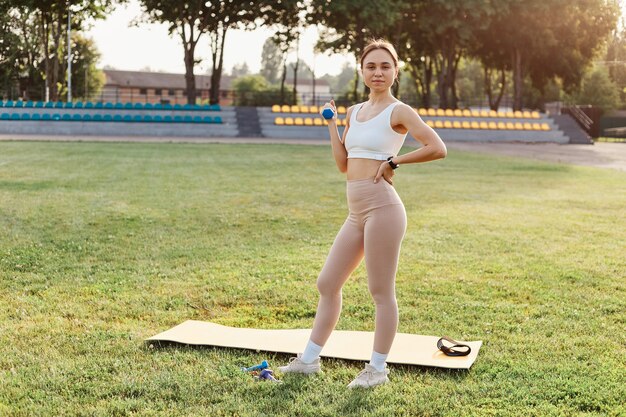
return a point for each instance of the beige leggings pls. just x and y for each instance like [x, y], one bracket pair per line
[374, 228]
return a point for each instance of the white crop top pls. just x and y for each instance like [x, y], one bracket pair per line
[375, 138]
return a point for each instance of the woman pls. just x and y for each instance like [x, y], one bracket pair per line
[376, 223]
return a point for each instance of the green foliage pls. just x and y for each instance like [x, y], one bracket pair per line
[254, 90]
[599, 90]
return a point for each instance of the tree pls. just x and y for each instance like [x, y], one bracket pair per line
[271, 61]
[87, 80]
[240, 70]
[599, 90]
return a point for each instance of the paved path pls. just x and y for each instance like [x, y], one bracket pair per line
[601, 154]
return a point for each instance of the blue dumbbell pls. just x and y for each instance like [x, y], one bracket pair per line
[328, 113]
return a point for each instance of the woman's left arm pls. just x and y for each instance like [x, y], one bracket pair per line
[433, 147]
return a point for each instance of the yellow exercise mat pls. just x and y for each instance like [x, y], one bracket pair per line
[410, 349]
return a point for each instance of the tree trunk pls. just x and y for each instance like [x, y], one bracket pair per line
[54, 74]
[295, 71]
[45, 38]
[283, 78]
[190, 79]
[217, 47]
[518, 79]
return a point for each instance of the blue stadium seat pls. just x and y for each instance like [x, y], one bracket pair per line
[87, 118]
[49, 105]
[15, 116]
[197, 119]
[148, 106]
[127, 118]
[56, 116]
[167, 106]
[117, 118]
[99, 105]
[39, 104]
[118, 106]
[188, 107]
[78, 105]
[89, 105]
[138, 106]
[35, 116]
[5, 116]
[97, 118]
[9, 103]
[46, 116]
[1, 103]
[19, 103]
[66, 117]
[138, 118]
[187, 119]
[77, 118]
[178, 119]
[147, 118]
[157, 106]
[217, 119]
[29, 104]
[207, 119]
[167, 119]
[58, 105]
[68, 105]
[178, 107]
[107, 118]
[158, 118]
[25, 116]
[128, 106]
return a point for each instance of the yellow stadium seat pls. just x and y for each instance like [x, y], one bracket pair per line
[308, 121]
[313, 109]
[526, 114]
[535, 115]
[456, 124]
[341, 110]
[438, 124]
[484, 113]
[528, 126]
[466, 125]
[449, 112]
[295, 108]
[501, 126]
[467, 113]
[493, 125]
[536, 126]
[545, 126]
[518, 114]
[317, 122]
[509, 114]
[475, 125]
[304, 109]
[422, 111]
[519, 126]
[510, 126]
[285, 109]
[447, 124]
[475, 113]
[288, 121]
[275, 108]
[493, 113]
[441, 112]
[432, 112]
[430, 123]
[298, 121]
[484, 125]
[279, 121]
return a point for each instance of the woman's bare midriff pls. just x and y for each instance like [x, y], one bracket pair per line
[361, 168]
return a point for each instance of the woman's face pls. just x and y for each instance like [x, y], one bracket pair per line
[379, 70]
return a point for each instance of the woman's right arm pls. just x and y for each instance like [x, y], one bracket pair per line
[337, 144]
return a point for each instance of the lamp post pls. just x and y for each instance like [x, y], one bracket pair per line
[69, 54]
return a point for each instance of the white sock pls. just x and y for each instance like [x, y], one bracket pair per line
[311, 352]
[378, 360]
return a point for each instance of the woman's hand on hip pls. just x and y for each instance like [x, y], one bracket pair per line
[386, 172]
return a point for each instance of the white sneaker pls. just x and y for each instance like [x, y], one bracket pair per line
[297, 366]
[369, 377]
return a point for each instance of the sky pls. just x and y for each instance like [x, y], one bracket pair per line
[127, 47]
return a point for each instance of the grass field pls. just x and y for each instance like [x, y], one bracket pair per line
[103, 245]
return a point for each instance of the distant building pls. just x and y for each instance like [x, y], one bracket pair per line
[160, 87]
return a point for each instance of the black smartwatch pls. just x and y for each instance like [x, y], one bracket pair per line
[392, 164]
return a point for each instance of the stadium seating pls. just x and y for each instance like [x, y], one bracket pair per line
[108, 105]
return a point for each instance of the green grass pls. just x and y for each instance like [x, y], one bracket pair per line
[103, 245]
